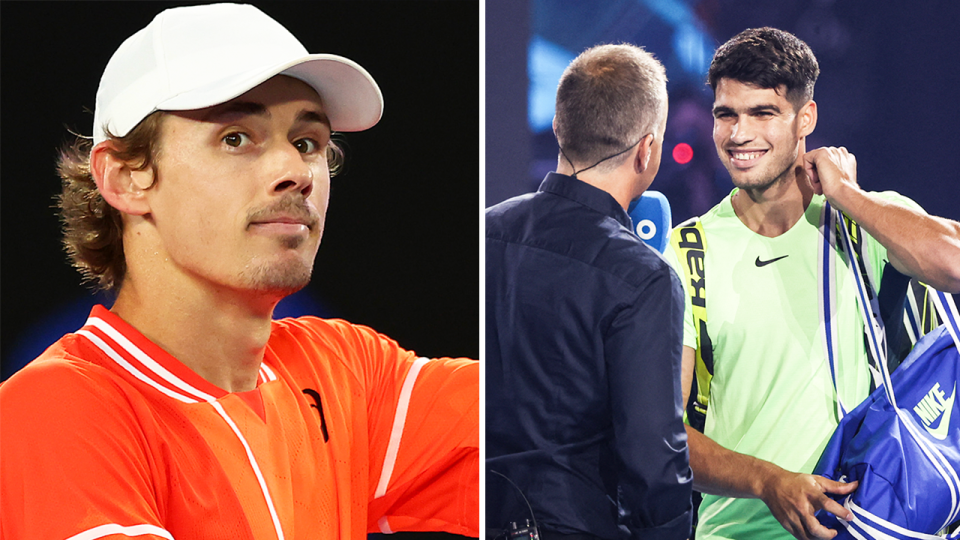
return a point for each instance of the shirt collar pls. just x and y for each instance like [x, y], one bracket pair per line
[583, 193]
[134, 353]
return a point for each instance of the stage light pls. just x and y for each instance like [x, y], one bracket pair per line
[682, 153]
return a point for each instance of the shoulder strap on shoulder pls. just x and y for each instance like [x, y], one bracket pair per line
[908, 311]
[690, 244]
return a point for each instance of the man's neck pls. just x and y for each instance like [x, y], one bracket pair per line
[613, 183]
[220, 334]
[773, 210]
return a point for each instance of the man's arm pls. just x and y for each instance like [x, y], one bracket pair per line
[424, 436]
[792, 498]
[919, 245]
[642, 352]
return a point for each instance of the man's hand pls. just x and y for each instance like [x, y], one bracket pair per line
[829, 170]
[919, 245]
[793, 498]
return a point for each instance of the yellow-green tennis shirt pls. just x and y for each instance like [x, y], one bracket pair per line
[772, 396]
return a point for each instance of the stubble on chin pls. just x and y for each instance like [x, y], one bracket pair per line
[283, 277]
[753, 184]
[761, 182]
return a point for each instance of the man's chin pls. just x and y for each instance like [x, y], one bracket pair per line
[280, 280]
[749, 181]
[284, 289]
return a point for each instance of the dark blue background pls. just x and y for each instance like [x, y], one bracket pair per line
[889, 88]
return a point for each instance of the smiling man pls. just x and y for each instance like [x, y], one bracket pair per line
[185, 411]
[753, 320]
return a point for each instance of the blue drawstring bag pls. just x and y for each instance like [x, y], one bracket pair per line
[906, 460]
[902, 444]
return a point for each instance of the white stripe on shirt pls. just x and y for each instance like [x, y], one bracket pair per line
[390, 459]
[113, 528]
[147, 362]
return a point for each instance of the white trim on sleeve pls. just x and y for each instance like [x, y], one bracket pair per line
[390, 459]
[113, 528]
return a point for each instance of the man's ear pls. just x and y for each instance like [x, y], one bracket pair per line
[120, 184]
[643, 153]
[807, 116]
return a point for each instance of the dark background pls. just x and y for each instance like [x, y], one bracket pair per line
[400, 251]
[889, 87]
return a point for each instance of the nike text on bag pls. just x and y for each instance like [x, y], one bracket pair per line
[902, 444]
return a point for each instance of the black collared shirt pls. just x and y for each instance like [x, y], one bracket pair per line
[583, 342]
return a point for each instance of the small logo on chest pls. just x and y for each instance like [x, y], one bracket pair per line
[761, 264]
[318, 405]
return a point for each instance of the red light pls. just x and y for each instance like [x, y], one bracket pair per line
[682, 153]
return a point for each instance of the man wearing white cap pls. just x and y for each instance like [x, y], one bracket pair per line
[184, 411]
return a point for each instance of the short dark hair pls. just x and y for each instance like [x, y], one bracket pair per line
[92, 229]
[609, 97]
[767, 58]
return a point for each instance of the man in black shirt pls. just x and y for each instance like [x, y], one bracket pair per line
[583, 325]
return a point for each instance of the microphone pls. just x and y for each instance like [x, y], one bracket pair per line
[527, 531]
[652, 219]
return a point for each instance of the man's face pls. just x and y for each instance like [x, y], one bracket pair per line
[243, 188]
[757, 133]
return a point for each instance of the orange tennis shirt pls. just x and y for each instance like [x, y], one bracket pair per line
[106, 435]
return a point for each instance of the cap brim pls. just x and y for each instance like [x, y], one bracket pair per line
[351, 98]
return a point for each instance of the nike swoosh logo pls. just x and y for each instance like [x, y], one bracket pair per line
[941, 432]
[761, 264]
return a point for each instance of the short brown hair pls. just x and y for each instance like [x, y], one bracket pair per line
[92, 229]
[609, 97]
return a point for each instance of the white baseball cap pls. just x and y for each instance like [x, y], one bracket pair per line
[201, 56]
